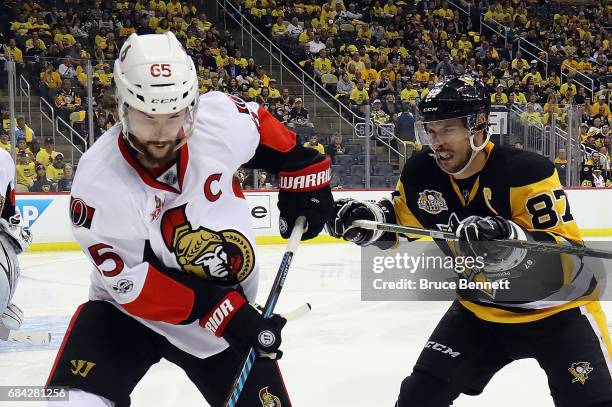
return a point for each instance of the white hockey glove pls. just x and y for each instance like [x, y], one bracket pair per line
[12, 317]
[20, 236]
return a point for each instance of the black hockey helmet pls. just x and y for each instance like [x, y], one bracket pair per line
[456, 96]
[463, 97]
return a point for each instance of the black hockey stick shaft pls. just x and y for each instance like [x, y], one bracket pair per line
[544, 247]
[247, 363]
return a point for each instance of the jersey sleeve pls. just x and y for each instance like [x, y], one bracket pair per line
[539, 204]
[126, 267]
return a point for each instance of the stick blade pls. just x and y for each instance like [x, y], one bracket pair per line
[31, 337]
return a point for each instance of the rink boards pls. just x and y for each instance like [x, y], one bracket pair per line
[47, 214]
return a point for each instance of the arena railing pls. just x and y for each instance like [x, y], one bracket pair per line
[588, 85]
[24, 91]
[495, 27]
[535, 52]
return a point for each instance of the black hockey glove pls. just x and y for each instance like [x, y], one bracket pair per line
[242, 326]
[249, 328]
[307, 193]
[348, 210]
[476, 239]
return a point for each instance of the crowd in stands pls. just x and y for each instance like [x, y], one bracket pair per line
[389, 53]
[386, 53]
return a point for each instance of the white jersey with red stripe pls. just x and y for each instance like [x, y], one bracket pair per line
[190, 218]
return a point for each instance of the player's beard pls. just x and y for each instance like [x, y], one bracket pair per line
[155, 154]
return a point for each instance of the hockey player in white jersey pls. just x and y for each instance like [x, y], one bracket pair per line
[155, 207]
[14, 239]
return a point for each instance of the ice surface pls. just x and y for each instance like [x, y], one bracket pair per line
[345, 353]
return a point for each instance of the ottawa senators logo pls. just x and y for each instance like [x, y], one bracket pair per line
[224, 256]
[268, 399]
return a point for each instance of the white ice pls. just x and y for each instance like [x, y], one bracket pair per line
[345, 353]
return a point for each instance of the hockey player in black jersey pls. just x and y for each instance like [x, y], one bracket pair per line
[485, 192]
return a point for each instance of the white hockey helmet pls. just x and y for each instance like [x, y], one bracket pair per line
[154, 75]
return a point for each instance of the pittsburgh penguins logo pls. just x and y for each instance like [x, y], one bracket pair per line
[580, 371]
[225, 256]
[268, 399]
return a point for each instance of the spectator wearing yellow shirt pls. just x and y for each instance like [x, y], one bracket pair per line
[24, 172]
[21, 27]
[62, 35]
[464, 43]
[14, 52]
[533, 73]
[4, 141]
[278, 28]
[499, 97]
[569, 63]
[445, 12]
[531, 116]
[174, 7]
[240, 60]
[422, 75]
[425, 91]
[359, 95]
[568, 86]
[390, 9]
[35, 42]
[255, 88]
[322, 65]
[517, 59]
[274, 92]
[55, 170]
[601, 101]
[46, 155]
[50, 81]
[127, 28]
[584, 65]
[519, 97]
[105, 75]
[369, 74]
[158, 6]
[222, 59]
[409, 94]
[313, 142]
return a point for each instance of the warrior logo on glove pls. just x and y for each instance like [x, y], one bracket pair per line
[224, 256]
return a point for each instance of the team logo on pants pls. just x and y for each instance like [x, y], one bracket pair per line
[268, 399]
[223, 256]
[580, 371]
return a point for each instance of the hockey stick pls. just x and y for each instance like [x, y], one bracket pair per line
[521, 244]
[31, 337]
[292, 315]
[247, 363]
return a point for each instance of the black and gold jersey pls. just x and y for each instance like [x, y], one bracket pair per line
[517, 185]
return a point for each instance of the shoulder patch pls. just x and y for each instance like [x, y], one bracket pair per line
[81, 214]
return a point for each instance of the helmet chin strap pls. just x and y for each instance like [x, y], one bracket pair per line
[475, 151]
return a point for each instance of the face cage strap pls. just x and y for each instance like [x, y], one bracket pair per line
[473, 127]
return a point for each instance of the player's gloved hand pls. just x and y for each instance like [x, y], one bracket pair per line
[474, 228]
[12, 317]
[242, 326]
[249, 328]
[476, 239]
[20, 236]
[348, 210]
[307, 193]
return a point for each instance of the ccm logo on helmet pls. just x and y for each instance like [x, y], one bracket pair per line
[168, 100]
[161, 70]
[430, 109]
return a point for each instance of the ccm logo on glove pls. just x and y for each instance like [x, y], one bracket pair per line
[217, 319]
[309, 179]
